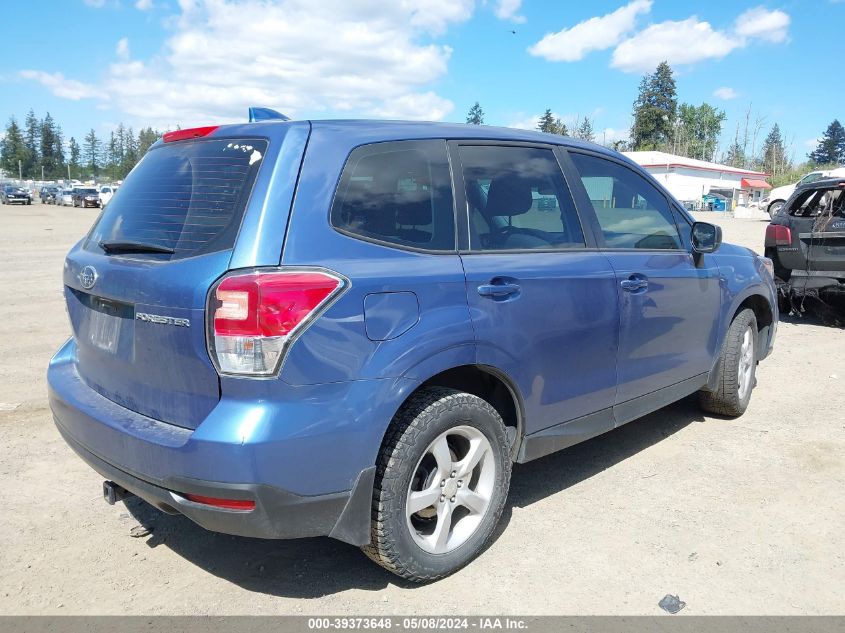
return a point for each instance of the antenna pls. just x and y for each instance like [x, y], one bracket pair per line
[265, 114]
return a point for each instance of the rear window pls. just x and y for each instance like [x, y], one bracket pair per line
[188, 197]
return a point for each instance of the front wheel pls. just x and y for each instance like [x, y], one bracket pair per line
[737, 369]
[441, 482]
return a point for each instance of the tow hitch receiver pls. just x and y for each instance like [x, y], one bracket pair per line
[113, 493]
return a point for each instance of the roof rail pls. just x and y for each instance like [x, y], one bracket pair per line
[265, 114]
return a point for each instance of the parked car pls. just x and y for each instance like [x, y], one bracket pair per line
[65, 198]
[48, 194]
[10, 194]
[774, 201]
[806, 243]
[367, 360]
[86, 197]
[106, 193]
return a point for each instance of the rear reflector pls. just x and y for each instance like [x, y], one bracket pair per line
[227, 504]
[779, 235]
[256, 316]
[193, 132]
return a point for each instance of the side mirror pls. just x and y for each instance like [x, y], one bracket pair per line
[705, 237]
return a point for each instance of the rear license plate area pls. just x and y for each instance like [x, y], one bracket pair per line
[106, 321]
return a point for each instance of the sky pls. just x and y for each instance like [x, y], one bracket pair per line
[163, 63]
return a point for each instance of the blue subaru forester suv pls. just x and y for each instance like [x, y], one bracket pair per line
[287, 329]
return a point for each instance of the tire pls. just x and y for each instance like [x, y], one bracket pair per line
[775, 208]
[737, 368]
[451, 424]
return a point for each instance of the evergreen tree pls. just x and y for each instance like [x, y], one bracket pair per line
[74, 153]
[654, 110]
[13, 149]
[146, 137]
[550, 124]
[831, 148]
[120, 138]
[92, 150]
[774, 152]
[560, 128]
[32, 140]
[585, 130]
[547, 122]
[113, 157]
[59, 151]
[475, 116]
[130, 153]
[52, 160]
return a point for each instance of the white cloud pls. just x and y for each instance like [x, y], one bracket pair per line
[692, 40]
[595, 34]
[60, 86]
[678, 42]
[725, 93]
[422, 106]
[122, 49]
[365, 57]
[509, 10]
[525, 122]
[144, 5]
[97, 4]
[763, 24]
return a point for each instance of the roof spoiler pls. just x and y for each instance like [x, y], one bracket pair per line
[265, 114]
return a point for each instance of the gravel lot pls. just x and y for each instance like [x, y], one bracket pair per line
[735, 516]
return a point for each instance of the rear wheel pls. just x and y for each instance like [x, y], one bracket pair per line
[441, 484]
[737, 369]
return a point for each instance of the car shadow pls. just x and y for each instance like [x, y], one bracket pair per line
[317, 567]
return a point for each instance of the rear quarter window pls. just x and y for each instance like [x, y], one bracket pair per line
[189, 197]
[398, 193]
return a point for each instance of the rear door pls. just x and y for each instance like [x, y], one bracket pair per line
[670, 301]
[542, 300]
[136, 285]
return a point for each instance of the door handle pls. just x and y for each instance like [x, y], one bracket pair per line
[498, 290]
[634, 283]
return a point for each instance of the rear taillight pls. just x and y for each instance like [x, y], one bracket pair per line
[778, 234]
[254, 317]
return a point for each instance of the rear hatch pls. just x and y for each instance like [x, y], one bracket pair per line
[818, 231]
[136, 287]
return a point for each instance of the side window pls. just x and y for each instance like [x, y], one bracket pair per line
[517, 199]
[399, 193]
[632, 213]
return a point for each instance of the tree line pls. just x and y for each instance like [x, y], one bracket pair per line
[661, 123]
[37, 150]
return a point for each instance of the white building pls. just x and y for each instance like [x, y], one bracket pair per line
[689, 179]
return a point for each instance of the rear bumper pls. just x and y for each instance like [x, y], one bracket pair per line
[278, 514]
[309, 470]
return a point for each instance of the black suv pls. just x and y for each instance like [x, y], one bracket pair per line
[806, 242]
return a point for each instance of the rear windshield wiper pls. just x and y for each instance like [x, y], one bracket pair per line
[117, 246]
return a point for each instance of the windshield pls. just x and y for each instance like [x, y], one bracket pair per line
[184, 197]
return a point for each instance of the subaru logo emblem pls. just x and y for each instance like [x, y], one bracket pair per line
[88, 277]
